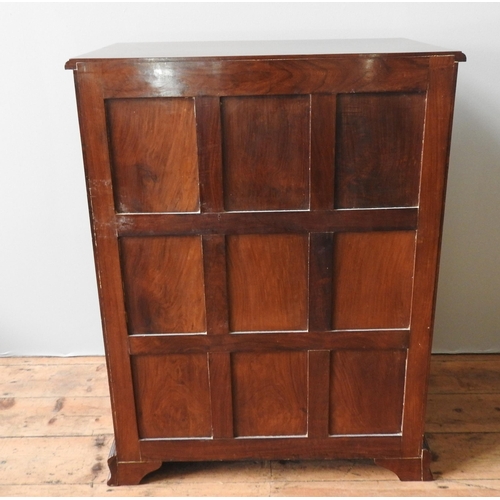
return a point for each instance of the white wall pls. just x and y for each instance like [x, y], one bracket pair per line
[47, 287]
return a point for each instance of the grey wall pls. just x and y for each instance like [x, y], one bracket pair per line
[47, 287]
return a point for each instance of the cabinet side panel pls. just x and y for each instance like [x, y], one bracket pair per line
[266, 147]
[163, 284]
[373, 279]
[366, 392]
[153, 154]
[267, 282]
[172, 395]
[378, 149]
[438, 121]
[92, 119]
[269, 393]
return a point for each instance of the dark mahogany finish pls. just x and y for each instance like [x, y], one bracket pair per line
[267, 223]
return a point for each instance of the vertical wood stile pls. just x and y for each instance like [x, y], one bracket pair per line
[107, 259]
[320, 281]
[438, 119]
[208, 126]
[214, 265]
[319, 393]
[323, 111]
[221, 394]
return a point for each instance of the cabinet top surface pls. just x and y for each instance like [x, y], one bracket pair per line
[263, 49]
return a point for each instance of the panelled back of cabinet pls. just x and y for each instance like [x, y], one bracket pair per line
[266, 232]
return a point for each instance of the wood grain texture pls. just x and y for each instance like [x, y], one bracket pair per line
[267, 282]
[436, 149]
[319, 394]
[98, 178]
[267, 50]
[378, 149]
[34, 462]
[154, 154]
[320, 281]
[296, 447]
[128, 473]
[266, 149]
[214, 266]
[269, 393]
[51, 416]
[276, 341]
[208, 129]
[373, 279]
[267, 222]
[409, 469]
[385, 488]
[172, 395]
[455, 412]
[148, 489]
[468, 455]
[323, 112]
[164, 287]
[366, 392]
[71, 379]
[466, 459]
[465, 375]
[221, 394]
[286, 152]
[260, 77]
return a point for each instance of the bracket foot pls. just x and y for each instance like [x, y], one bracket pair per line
[410, 469]
[128, 473]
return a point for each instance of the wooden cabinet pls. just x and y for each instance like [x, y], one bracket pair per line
[266, 221]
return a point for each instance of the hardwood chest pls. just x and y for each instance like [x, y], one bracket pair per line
[266, 219]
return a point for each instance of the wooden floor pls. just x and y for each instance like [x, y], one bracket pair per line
[55, 433]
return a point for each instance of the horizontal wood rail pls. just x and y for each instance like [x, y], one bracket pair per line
[266, 222]
[182, 343]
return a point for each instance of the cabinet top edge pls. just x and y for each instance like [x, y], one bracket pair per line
[271, 49]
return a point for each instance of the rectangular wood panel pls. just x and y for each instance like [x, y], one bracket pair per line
[269, 393]
[154, 156]
[373, 279]
[267, 282]
[366, 392]
[378, 149]
[164, 285]
[172, 395]
[266, 148]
